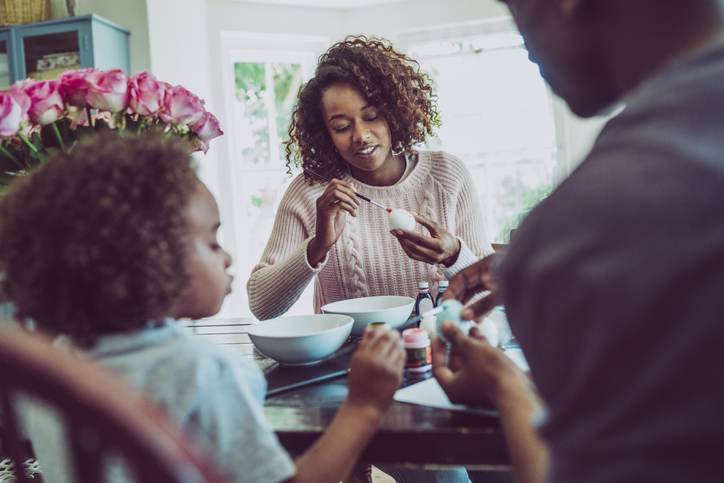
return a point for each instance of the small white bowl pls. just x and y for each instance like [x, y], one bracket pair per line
[393, 309]
[301, 339]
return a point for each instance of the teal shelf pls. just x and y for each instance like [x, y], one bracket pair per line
[43, 50]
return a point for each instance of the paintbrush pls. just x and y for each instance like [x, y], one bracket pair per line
[322, 178]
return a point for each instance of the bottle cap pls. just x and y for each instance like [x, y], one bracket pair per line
[444, 284]
[423, 284]
[414, 335]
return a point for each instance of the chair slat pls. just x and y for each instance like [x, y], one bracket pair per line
[14, 446]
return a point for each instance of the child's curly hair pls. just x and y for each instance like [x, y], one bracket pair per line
[94, 242]
[388, 80]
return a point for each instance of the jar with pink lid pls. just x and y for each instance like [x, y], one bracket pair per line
[417, 346]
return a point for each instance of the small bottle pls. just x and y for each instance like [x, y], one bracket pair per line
[424, 302]
[441, 290]
[417, 347]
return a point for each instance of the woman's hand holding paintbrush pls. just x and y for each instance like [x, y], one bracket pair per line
[322, 178]
[337, 201]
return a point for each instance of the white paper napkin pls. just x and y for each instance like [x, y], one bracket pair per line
[429, 393]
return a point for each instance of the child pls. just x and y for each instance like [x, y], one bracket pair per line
[114, 242]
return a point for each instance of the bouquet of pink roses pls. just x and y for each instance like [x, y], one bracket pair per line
[37, 117]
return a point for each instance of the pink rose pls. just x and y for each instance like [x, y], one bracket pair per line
[74, 86]
[46, 102]
[107, 91]
[10, 115]
[146, 94]
[181, 107]
[208, 127]
[17, 92]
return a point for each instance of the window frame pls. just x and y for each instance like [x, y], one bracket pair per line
[257, 48]
[562, 119]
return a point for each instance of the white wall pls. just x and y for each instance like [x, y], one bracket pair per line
[182, 52]
[231, 15]
[179, 52]
[391, 20]
[131, 14]
[384, 20]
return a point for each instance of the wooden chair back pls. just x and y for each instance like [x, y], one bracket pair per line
[102, 416]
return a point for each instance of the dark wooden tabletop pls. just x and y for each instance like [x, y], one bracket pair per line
[409, 433]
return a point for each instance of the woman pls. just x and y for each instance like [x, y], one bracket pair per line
[353, 131]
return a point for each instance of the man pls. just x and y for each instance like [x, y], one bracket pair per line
[614, 285]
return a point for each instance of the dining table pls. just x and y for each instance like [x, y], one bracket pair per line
[409, 435]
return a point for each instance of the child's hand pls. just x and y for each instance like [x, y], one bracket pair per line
[376, 369]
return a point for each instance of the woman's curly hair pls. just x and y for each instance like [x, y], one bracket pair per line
[94, 242]
[387, 79]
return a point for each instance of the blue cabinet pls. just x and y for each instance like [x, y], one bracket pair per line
[45, 49]
[5, 69]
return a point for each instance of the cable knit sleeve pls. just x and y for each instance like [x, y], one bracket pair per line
[469, 222]
[284, 271]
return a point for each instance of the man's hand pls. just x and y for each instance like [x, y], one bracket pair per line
[476, 373]
[477, 278]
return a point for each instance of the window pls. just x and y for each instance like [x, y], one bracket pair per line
[497, 116]
[261, 87]
[265, 93]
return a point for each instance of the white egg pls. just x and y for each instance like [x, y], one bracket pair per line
[401, 219]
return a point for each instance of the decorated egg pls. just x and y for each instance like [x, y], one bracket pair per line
[401, 219]
[451, 310]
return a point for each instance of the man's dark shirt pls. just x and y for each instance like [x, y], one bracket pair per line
[615, 287]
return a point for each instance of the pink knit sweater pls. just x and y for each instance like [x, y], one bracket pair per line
[367, 259]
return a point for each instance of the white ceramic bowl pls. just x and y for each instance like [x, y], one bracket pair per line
[393, 309]
[301, 339]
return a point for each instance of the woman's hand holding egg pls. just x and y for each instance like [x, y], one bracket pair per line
[337, 200]
[439, 247]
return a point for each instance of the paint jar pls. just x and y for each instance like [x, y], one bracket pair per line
[417, 347]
